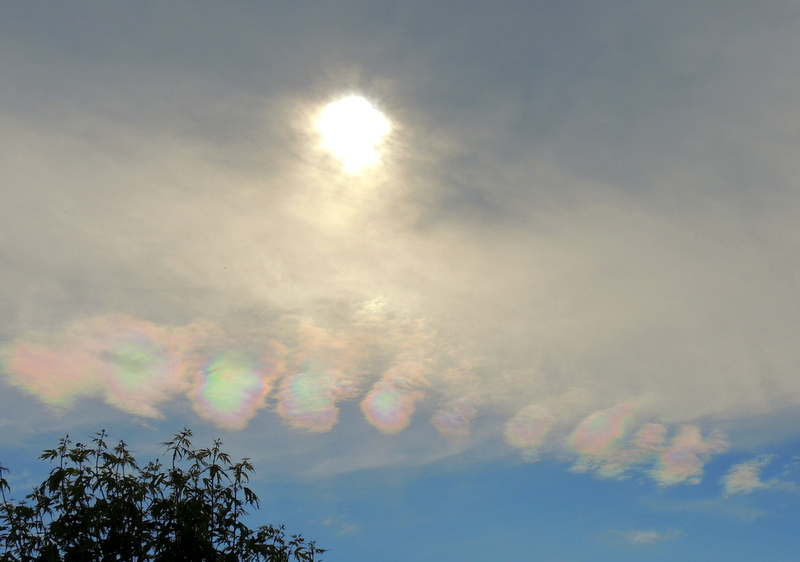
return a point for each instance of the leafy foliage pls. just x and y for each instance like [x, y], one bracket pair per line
[98, 504]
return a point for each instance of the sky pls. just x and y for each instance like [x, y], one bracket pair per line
[466, 281]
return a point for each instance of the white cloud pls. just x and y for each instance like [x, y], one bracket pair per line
[649, 537]
[341, 525]
[745, 478]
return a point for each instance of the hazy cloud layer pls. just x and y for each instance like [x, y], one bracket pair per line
[581, 240]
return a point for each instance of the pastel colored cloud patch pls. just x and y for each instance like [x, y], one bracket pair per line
[454, 418]
[600, 432]
[744, 478]
[308, 397]
[391, 402]
[232, 386]
[528, 429]
[683, 459]
[134, 365]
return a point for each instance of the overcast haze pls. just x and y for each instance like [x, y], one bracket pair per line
[578, 251]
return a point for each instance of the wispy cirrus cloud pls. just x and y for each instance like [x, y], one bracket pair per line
[341, 525]
[649, 537]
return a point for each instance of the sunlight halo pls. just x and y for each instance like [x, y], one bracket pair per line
[352, 130]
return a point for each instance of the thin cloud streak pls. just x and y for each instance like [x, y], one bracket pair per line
[649, 537]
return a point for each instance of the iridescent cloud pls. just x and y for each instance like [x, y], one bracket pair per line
[650, 438]
[528, 429]
[683, 459]
[146, 364]
[134, 365]
[232, 386]
[600, 432]
[454, 418]
[641, 450]
[464, 395]
[604, 446]
[58, 373]
[308, 397]
[391, 402]
[321, 373]
[602, 442]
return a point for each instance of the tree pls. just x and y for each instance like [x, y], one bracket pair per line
[99, 505]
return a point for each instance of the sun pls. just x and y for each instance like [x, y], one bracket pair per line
[352, 131]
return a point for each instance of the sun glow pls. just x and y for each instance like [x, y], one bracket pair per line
[352, 131]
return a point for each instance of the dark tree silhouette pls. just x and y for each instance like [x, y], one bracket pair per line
[99, 505]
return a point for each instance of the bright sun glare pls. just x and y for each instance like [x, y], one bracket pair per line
[352, 130]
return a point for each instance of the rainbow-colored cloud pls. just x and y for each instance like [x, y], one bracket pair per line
[683, 459]
[529, 428]
[391, 402]
[304, 372]
[131, 364]
[231, 386]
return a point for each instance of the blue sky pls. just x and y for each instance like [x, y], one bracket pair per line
[552, 315]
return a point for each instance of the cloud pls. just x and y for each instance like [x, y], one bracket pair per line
[615, 441]
[605, 445]
[593, 256]
[745, 478]
[342, 526]
[303, 372]
[528, 429]
[390, 404]
[232, 386]
[683, 459]
[649, 537]
[132, 364]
